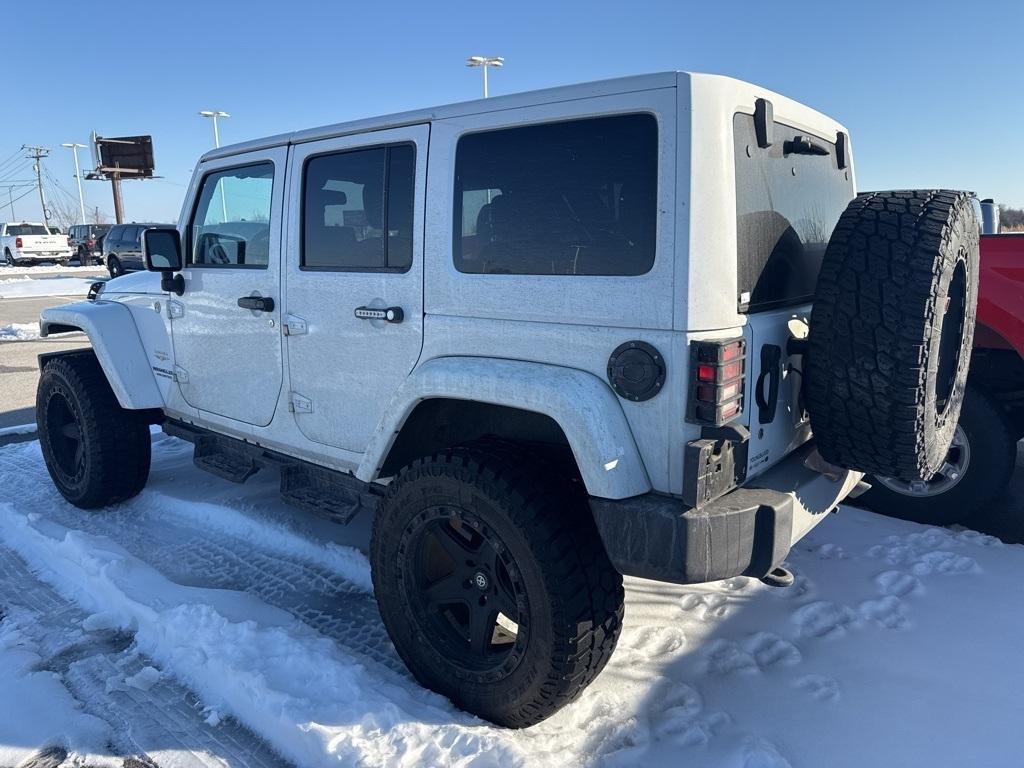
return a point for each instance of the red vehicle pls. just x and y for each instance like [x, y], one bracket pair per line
[984, 450]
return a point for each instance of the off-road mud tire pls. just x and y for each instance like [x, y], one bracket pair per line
[880, 398]
[115, 450]
[574, 593]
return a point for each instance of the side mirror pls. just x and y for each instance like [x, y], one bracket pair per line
[161, 250]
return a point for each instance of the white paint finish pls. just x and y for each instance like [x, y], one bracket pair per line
[119, 349]
[539, 98]
[644, 301]
[770, 443]
[232, 355]
[711, 264]
[582, 404]
[563, 326]
[132, 283]
[656, 424]
[348, 367]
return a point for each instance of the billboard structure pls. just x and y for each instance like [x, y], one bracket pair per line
[120, 157]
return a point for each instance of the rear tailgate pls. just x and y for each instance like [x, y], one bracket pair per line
[44, 245]
[789, 197]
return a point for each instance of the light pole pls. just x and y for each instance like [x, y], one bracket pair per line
[78, 177]
[212, 113]
[484, 62]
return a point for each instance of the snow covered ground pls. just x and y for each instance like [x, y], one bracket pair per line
[181, 624]
[58, 284]
[19, 332]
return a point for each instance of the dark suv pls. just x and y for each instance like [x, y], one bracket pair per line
[87, 242]
[122, 247]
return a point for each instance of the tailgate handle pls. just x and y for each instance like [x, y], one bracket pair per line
[771, 357]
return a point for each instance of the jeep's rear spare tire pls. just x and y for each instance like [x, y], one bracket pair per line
[891, 332]
[493, 583]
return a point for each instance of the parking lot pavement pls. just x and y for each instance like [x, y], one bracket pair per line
[19, 370]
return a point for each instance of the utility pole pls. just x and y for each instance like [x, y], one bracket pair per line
[37, 154]
[115, 182]
[78, 177]
[10, 195]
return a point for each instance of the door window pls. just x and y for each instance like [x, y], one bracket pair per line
[231, 222]
[357, 210]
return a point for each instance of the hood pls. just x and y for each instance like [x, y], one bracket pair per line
[134, 282]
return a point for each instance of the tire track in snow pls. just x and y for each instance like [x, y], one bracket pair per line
[97, 668]
[190, 546]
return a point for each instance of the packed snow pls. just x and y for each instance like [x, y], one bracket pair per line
[205, 623]
[45, 268]
[19, 332]
[34, 287]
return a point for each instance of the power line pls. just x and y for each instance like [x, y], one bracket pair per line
[17, 152]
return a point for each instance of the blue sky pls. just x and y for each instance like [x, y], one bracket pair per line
[931, 91]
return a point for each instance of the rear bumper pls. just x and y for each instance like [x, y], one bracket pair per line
[746, 532]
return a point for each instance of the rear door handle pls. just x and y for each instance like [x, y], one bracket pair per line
[257, 303]
[390, 314]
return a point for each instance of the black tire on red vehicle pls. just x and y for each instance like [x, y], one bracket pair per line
[977, 471]
[472, 535]
[96, 452]
[891, 332]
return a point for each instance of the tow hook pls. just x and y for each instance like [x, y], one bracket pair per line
[779, 577]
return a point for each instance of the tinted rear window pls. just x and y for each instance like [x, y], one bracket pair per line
[787, 205]
[569, 198]
[27, 229]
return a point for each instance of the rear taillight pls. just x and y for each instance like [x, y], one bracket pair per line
[716, 381]
[17, 242]
[69, 242]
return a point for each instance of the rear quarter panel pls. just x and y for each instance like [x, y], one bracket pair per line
[1001, 293]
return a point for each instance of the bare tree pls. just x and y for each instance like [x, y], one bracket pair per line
[63, 212]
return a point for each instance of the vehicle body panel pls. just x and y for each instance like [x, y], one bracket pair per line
[228, 360]
[337, 351]
[115, 337]
[1000, 322]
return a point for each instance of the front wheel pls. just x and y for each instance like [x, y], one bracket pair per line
[114, 267]
[96, 452]
[493, 583]
[975, 474]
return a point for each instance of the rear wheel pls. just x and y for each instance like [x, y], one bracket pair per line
[891, 332]
[977, 469]
[114, 266]
[96, 452]
[494, 585]
[9, 259]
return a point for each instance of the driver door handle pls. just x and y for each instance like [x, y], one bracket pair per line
[389, 314]
[257, 303]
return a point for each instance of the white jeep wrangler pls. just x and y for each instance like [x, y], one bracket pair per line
[546, 340]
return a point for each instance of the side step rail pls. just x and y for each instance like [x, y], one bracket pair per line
[338, 496]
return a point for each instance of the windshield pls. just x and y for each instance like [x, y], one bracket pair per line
[19, 230]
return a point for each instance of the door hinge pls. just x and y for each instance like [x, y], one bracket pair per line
[299, 404]
[175, 309]
[180, 374]
[295, 325]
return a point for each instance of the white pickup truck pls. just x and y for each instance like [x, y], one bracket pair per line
[27, 242]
